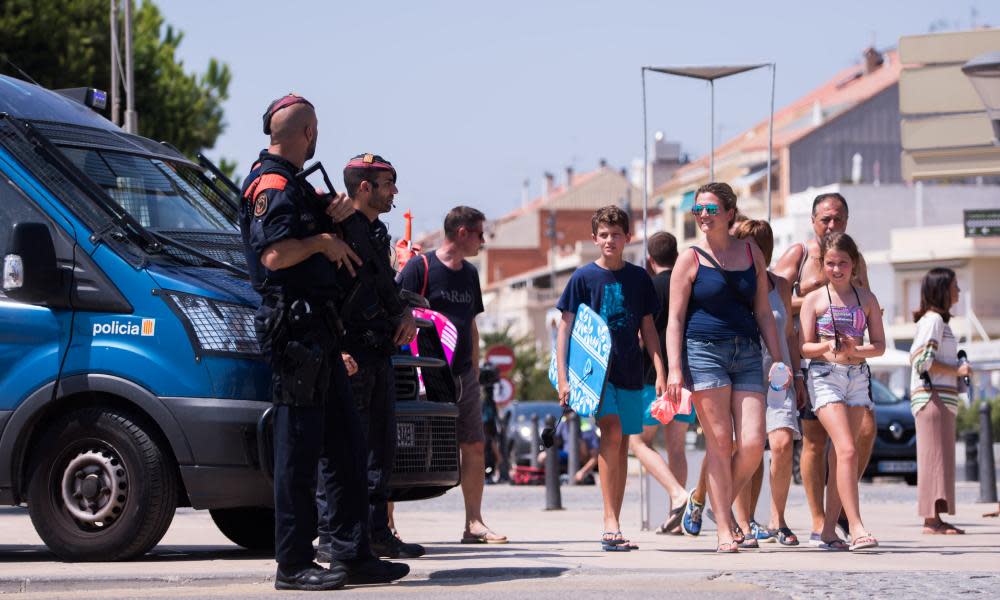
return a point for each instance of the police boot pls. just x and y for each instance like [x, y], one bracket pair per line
[385, 544]
[371, 570]
[310, 577]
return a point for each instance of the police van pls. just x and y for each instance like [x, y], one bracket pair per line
[131, 382]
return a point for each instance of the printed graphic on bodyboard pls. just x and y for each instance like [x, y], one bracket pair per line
[589, 352]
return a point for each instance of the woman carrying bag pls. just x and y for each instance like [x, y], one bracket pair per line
[934, 399]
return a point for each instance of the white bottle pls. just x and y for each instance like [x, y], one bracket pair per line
[776, 393]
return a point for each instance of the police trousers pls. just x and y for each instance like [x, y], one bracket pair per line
[303, 435]
[374, 390]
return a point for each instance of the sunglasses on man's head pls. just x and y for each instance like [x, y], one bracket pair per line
[712, 209]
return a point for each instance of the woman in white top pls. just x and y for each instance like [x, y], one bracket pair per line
[934, 399]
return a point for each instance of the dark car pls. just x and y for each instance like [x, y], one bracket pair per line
[518, 427]
[895, 451]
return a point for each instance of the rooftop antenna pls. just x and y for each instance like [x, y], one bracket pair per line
[7, 60]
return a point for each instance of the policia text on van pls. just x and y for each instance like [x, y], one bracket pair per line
[130, 377]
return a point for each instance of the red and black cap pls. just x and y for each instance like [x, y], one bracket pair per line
[280, 103]
[371, 162]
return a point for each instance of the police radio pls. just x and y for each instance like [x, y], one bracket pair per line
[303, 179]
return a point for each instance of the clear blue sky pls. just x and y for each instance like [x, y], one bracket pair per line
[470, 98]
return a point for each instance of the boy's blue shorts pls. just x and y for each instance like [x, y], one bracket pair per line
[627, 404]
[648, 397]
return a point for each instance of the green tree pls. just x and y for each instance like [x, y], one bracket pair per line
[66, 43]
[531, 368]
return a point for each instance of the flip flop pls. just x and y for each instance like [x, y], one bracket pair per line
[862, 542]
[631, 546]
[612, 541]
[728, 548]
[785, 536]
[487, 536]
[837, 545]
[673, 520]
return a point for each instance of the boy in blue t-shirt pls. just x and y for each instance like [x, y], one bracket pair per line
[623, 295]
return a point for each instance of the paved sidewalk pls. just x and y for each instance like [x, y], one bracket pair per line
[559, 548]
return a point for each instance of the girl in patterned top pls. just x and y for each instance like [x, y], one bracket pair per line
[834, 319]
[934, 399]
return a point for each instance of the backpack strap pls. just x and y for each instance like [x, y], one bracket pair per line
[427, 274]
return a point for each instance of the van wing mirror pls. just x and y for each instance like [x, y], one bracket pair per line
[30, 271]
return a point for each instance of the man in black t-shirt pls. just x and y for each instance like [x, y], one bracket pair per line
[662, 255]
[451, 285]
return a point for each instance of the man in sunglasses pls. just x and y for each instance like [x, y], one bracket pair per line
[451, 285]
[801, 265]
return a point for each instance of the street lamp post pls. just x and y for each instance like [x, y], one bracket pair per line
[709, 74]
[984, 74]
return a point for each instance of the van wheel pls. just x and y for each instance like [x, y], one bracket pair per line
[251, 527]
[101, 488]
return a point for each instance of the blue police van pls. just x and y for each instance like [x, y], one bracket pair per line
[131, 382]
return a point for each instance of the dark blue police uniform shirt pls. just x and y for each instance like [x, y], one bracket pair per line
[622, 298]
[455, 294]
[291, 213]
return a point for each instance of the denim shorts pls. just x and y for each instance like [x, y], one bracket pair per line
[735, 361]
[648, 397]
[830, 383]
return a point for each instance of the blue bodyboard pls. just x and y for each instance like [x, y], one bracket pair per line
[588, 355]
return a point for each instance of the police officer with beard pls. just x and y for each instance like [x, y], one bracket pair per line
[300, 268]
[377, 322]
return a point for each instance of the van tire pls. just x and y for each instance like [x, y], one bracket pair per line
[96, 453]
[251, 527]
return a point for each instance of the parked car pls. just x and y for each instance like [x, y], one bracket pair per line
[518, 427]
[131, 381]
[895, 451]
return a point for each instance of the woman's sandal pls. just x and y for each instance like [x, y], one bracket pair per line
[612, 541]
[863, 541]
[835, 545]
[738, 536]
[943, 528]
[728, 548]
[486, 536]
[749, 543]
[784, 536]
[673, 521]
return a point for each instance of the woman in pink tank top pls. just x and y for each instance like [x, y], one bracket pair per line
[833, 323]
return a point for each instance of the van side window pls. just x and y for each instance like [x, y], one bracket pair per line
[15, 208]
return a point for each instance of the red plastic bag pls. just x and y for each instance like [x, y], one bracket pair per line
[664, 410]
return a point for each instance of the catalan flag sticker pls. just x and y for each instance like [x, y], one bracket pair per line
[148, 327]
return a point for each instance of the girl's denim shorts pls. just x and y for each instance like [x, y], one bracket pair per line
[735, 361]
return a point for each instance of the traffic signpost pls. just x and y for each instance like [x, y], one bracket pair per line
[501, 357]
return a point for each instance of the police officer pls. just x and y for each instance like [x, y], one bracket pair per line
[300, 267]
[377, 322]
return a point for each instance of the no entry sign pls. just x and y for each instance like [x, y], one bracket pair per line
[501, 357]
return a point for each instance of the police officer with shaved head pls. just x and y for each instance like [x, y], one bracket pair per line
[300, 267]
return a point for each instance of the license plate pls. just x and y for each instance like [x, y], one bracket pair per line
[897, 466]
[406, 435]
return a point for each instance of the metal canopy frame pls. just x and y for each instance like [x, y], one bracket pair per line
[709, 74]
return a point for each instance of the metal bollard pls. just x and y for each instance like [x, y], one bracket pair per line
[536, 441]
[987, 468]
[573, 448]
[971, 439]
[553, 495]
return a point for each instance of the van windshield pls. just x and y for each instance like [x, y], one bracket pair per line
[160, 195]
